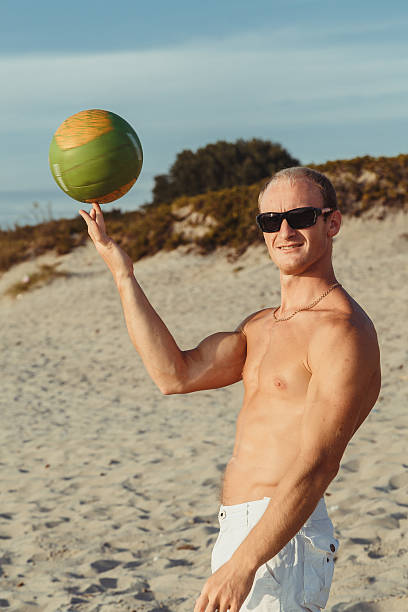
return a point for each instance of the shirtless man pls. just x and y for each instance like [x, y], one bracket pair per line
[311, 375]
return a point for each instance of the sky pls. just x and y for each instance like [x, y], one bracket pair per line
[324, 78]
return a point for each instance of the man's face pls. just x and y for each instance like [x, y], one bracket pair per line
[296, 250]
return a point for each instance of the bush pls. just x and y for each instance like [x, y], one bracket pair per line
[220, 165]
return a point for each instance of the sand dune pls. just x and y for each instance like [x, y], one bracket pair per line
[110, 490]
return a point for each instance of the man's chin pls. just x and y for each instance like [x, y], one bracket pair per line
[289, 267]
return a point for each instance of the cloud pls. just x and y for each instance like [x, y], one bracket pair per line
[215, 82]
[248, 85]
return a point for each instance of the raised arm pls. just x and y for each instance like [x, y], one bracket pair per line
[216, 362]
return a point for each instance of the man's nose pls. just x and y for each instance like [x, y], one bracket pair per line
[285, 230]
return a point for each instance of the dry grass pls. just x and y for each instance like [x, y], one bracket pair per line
[27, 242]
[43, 276]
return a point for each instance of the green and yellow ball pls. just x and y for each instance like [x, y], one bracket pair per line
[95, 156]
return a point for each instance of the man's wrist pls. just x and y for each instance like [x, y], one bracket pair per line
[123, 276]
[245, 559]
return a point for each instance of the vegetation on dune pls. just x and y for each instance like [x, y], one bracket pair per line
[225, 217]
[43, 276]
[27, 242]
[365, 183]
[219, 166]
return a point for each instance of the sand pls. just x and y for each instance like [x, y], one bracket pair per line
[109, 493]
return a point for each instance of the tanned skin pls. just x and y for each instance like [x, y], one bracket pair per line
[309, 381]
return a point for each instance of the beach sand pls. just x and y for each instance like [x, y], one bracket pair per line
[109, 493]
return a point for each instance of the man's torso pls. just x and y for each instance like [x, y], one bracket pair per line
[276, 377]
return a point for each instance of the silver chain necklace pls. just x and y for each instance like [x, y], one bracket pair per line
[316, 301]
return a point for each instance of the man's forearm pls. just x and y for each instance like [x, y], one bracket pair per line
[293, 502]
[162, 357]
[151, 338]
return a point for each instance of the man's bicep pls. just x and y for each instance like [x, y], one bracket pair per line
[343, 387]
[216, 362]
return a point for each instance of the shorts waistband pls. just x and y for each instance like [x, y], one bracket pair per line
[255, 506]
[240, 508]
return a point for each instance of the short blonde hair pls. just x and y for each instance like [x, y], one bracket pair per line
[299, 173]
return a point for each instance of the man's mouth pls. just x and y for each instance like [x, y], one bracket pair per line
[289, 247]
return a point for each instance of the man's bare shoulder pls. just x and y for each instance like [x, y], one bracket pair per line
[348, 316]
[255, 316]
[344, 330]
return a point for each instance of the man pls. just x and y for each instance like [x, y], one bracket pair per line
[311, 375]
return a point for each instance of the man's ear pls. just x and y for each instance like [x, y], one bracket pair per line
[334, 224]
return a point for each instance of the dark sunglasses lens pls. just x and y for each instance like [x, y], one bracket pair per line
[269, 223]
[299, 219]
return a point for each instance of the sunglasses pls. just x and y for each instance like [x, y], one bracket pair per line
[297, 218]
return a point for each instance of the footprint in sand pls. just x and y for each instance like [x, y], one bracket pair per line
[351, 466]
[104, 565]
[399, 480]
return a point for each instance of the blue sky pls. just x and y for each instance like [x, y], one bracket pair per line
[326, 79]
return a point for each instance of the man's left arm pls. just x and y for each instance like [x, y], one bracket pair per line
[344, 385]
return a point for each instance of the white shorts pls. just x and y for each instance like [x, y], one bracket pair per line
[299, 577]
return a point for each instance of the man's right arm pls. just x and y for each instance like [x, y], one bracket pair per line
[216, 362]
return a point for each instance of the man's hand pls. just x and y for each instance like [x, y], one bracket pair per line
[118, 262]
[226, 590]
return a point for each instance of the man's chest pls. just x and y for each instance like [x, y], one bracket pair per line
[276, 360]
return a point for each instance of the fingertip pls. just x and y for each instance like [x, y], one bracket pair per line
[83, 214]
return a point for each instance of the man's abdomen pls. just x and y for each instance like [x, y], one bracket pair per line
[266, 444]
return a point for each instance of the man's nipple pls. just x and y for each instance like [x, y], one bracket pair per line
[279, 384]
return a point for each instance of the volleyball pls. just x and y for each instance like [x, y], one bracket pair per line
[95, 156]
